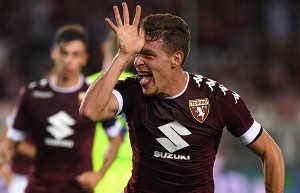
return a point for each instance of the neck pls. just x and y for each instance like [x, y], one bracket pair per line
[179, 83]
[65, 82]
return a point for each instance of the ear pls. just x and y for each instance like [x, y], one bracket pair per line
[52, 53]
[86, 59]
[177, 59]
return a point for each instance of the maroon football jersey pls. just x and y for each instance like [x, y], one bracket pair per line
[175, 139]
[22, 164]
[62, 137]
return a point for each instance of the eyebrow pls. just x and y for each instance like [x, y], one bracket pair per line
[147, 51]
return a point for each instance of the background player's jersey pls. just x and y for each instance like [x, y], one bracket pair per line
[175, 139]
[22, 164]
[62, 137]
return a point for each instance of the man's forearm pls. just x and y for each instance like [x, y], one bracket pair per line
[26, 149]
[111, 154]
[273, 163]
[7, 151]
[274, 173]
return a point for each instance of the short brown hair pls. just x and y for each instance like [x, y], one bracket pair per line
[173, 30]
[71, 32]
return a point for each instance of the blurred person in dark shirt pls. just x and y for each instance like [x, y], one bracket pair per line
[22, 162]
[48, 110]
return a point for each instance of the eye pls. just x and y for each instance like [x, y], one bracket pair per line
[76, 54]
[148, 54]
[63, 52]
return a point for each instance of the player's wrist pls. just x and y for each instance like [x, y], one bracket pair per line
[99, 175]
[126, 55]
[124, 59]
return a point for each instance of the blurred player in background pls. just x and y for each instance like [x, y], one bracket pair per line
[48, 110]
[175, 118]
[22, 162]
[120, 171]
[5, 171]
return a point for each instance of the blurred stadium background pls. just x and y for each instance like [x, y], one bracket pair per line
[253, 47]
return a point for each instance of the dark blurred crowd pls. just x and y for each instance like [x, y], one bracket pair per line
[253, 44]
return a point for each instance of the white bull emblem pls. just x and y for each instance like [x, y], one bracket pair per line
[199, 109]
[200, 112]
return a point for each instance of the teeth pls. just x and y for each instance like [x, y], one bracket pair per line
[144, 74]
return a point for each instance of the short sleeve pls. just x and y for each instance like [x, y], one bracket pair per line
[237, 117]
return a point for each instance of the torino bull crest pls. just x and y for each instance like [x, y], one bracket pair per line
[199, 108]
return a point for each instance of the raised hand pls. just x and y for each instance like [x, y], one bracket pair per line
[130, 39]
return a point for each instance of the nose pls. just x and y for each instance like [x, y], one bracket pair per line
[67, 59]
[138, 61]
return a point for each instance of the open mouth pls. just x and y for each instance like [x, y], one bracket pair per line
[145, 78]
[144, 74]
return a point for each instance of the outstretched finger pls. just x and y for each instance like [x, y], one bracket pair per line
[142, 33]
[111, 24]
[125, 13]
[117, 16]
[137, 15]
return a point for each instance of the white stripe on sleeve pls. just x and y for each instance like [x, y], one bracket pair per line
[120, 100]
[114, 130]
[15, 135]
[251, 134]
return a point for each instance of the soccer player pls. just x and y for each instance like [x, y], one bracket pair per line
[48, 109]
[119, 172]
[22, 162]
[21, 166]
[175, 118]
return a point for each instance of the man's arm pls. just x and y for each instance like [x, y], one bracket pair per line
[89, 179]
[26, 149]
[99, 103]
[8, 149]
[111, 153]
[272, 160]
[22, 148]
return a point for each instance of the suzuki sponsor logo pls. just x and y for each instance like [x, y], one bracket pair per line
[173, 141]
[60, 127]
[167, 155]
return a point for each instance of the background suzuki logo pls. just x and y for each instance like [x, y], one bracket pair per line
[173, 131]
[61, 124]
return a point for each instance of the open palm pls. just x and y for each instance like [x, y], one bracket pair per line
[130, 39]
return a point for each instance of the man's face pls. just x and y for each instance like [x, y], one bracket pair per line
[153, 65]
[69, 58]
